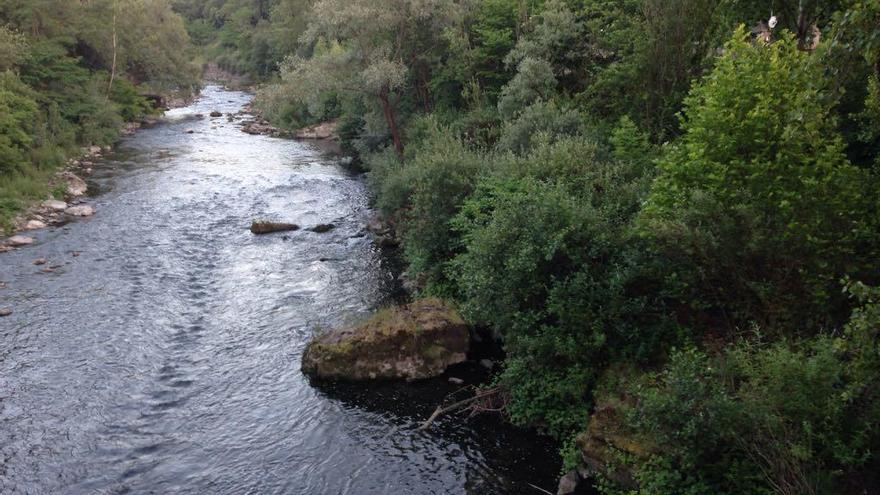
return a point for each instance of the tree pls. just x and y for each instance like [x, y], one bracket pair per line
[366, 47]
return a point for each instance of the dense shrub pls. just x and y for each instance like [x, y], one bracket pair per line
[424, 190]
[18, 114]
[757, 202]
[785, 418]
[546, 118]
[548, 261]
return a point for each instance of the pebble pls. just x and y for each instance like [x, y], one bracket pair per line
[40, 261]
[5, 312]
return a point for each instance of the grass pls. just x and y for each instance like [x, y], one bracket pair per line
[19, 190]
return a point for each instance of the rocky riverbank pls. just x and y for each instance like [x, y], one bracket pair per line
[67, 200]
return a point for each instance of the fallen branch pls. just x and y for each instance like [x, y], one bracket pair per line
[540, 489]
[441, 410]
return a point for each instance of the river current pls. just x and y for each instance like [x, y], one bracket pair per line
[162, 354]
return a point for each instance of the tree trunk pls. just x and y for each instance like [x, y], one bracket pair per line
[390, 119]
[115, 50]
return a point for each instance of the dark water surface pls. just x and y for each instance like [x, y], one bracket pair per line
[165, 357]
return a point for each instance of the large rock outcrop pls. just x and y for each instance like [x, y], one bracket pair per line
[411, 342]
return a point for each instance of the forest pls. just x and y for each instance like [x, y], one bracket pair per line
[667, 211]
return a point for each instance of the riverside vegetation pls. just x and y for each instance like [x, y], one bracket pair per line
[70, 74]
[667, 211]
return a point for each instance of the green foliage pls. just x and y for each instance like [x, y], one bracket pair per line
[425, 190]
[56, 58]
[13, 48]
[760, 180]
[764, 418]
[18, 113]
[548, 262]
[543, 117]
[534, 82]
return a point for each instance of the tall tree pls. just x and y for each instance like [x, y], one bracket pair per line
[367, 47]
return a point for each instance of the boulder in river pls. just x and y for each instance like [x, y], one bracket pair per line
[323, 227]
[20, 240]
[5, 312]
[266, 227]
[80, 211]
[216, 113]
[411, 342]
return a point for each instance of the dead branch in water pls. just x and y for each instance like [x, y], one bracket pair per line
[483, 401]
[540, 489]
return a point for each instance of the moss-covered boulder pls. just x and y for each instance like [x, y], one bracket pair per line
[411, 342]
[607, 442]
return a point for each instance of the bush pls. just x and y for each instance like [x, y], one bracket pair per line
[547, 261]
[424, 191]
[18, 114]
[547, 118]
[785, 418]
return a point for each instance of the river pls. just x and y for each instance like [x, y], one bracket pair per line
[162, 355]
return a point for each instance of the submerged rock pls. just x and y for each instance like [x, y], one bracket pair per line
[412, 342]
[323, 227]
[216, 113]
[80, 211]
[266, 227]
[5, 312]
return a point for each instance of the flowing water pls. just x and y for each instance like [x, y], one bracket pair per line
[162, 354]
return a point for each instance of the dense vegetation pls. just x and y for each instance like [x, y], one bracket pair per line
[658, 210]
[71, 73]
[668, 209]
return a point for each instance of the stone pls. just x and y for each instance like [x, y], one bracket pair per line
[215, 113]
[80, 211]
[487, 363]
[323, 227]
[456, 381]
[34, 225]
[190, 131]
[55, 205]
[411, 342]
[20, 240]
[94, 150]
[5, 312]
[324, 130]
[40, 261]
[266, 227]
[75, 185]
[568, 484]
